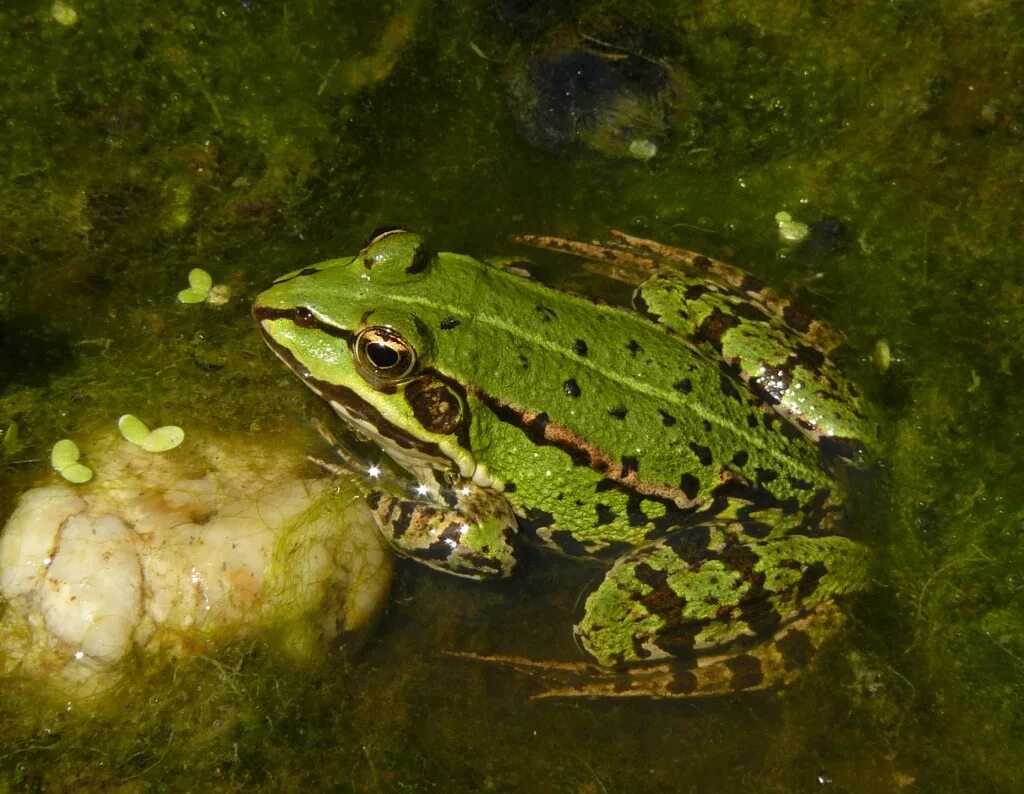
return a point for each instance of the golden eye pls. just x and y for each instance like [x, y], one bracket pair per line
[383, 355]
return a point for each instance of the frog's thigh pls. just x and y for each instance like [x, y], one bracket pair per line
[735, 613]
[783, 366]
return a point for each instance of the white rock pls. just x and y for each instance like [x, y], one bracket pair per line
[30, 538]
[166, 554]
[92, 596]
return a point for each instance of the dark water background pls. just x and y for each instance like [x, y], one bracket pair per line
[251, 138]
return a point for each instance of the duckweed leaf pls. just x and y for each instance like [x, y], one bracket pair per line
[76, 473]
[163, 439]
[199, 286]
[160, 440]
[132, 428]
[64, 453]
[64, 458]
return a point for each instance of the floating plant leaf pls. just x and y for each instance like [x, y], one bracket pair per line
[199, 286]
[64, 458]
[160, 440]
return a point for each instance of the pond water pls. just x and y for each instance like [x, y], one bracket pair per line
[252, 138]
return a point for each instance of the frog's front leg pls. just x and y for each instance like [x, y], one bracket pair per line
[730, 612]
[471, 534]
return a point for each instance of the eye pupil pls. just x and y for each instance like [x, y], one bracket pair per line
[381, 355]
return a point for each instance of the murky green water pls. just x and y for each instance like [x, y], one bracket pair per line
[252, 137]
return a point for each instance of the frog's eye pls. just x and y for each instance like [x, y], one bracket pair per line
[382, 355]
[381, 232]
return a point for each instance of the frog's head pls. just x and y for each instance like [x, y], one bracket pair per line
[354, 330]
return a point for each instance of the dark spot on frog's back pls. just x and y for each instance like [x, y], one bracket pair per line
[689, 485]
[400, 523]
[685, 386]
[618, 413]
[448, 323]
[790, 432]
[571, 388]
[683, 683]
[810, 357]
[695, 292]
[630, 465]
[703, 453]
[641, 307]
[635, 514]
[715, 325]
[729, 389]
[579, 347]
[634, 347]
[691, 544]
[666, 418]
[810, 578]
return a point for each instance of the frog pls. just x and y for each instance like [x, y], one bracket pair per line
[694, 443]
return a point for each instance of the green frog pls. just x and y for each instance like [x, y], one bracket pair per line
[692, 443]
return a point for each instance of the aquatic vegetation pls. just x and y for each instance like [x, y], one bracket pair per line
[64, 459]
[162, 439]
[199, 284]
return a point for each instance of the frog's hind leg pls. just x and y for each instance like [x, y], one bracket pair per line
[768, 665]
[731, 611]
[706, 611]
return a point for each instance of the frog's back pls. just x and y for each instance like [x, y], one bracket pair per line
[609, 403]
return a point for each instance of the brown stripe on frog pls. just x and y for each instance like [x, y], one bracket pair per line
[302, 317]
[541, 430]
